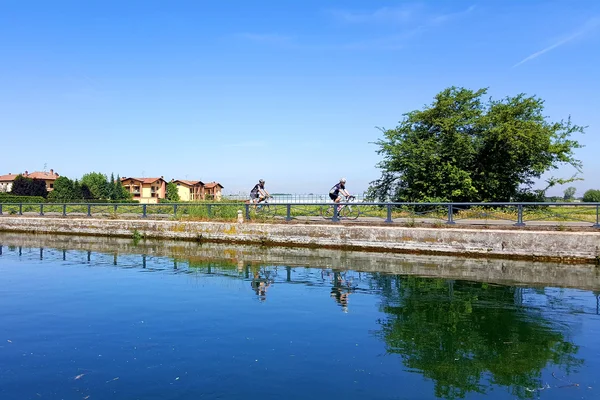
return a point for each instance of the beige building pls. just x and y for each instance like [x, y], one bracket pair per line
[189, 190]
[213, 190]
[146, 190]
[6, 181]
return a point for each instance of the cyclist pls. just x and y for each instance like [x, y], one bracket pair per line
[338, 190]
[258, 192]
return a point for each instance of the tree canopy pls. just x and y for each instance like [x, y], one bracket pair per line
[95, 185]
[592, 195]
[23, 186]
[65, 190]
[172, 192]
[569, 193]
[464, 148]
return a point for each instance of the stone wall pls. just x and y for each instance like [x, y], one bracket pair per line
[582, 247]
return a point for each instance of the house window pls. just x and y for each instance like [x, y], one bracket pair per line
[52, 186]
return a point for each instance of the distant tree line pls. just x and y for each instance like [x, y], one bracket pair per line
[93, 186]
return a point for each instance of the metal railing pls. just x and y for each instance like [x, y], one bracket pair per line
[517, 214]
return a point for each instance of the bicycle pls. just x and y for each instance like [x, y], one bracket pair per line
[345, 211]
[266, 209]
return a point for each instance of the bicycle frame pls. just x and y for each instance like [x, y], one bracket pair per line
[343, 210]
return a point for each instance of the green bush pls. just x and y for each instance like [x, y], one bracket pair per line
[92, 201]
[592, 196]
[11, 198]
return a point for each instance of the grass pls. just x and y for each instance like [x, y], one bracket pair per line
[208, 211]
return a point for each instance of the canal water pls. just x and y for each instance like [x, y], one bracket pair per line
[79, 321]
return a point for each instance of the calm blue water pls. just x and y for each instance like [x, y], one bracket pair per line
[84, 325]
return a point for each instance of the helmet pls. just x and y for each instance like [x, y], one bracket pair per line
[261, 181]
[342, 180]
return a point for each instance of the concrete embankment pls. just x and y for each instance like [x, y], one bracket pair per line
[574, 247]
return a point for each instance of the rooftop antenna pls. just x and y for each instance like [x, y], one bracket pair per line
[143, 174]
[45, 165]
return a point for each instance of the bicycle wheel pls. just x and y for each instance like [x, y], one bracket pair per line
[273, 210]
[327, 212]
[350, 212]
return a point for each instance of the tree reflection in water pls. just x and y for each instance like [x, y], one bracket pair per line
[467, 336]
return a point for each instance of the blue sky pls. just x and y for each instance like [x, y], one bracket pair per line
[288, 91]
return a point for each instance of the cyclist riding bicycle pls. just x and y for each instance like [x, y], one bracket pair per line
[338, 190]
[258, 192]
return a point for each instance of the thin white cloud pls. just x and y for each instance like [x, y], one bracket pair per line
[399, 40]
[439, 19]
[381, 15]
[406, 22]
[588, 27]
[389, 42]
[269, 38]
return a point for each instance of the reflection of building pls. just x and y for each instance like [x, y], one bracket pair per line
[146, 190]
[189, 190]
[6, 181]
[213, 190]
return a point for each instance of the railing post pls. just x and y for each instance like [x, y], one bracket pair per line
[116, 208]
[450, 220]
[208, 210]
[389, 214]
[520, 216]
[0, 208]
[247, 206]
[288, 216]
[596, 225]
[42, 209]
[144, 215]
[175, 210]
[336, 217]
[20, 208]
[64, 210]
[89, 206]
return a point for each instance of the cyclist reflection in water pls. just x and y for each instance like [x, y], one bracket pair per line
[341, 290]
[260, 285]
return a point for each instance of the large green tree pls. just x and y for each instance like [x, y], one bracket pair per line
[112, 191]
[569, 193]
[592, 196]
[120, 191]
[465, 148]
[97, 184]
[172, 192]
[23, 186]
[65, 190]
